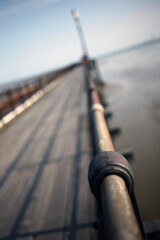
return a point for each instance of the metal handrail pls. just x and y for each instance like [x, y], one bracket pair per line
[108, 174]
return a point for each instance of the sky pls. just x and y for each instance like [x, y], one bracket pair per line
[39, 35]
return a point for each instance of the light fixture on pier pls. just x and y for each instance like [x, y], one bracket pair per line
[76, 17]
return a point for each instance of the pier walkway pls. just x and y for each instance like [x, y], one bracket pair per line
[45, 153]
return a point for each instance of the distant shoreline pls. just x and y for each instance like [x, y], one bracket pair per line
[128, 49]
[106, 55]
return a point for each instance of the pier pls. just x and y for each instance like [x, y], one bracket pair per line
[49, 136]
[64, 171]
[44, 173]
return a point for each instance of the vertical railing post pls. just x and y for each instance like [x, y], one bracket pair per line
[10, 100]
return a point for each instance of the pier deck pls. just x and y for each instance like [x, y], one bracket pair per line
[45, 153]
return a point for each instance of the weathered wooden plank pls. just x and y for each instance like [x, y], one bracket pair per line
[26, 238]
[13, 148]
[53, 236]
[56, 206]
[12, 197]
[54, 213]
[37, 209]
[35, 151]
[86, 214]
[55, 218]
[46, 213]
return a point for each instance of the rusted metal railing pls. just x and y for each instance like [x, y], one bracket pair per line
[111, 178]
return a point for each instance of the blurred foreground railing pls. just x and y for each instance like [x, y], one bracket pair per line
[13, 95]
[110, 177]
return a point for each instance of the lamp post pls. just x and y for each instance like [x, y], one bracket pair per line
[76, 18]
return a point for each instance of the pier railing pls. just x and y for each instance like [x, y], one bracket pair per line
[17, 93]
[110, 177]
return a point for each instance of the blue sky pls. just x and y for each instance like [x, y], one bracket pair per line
[39, 35]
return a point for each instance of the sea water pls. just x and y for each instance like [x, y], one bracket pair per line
[133, 95]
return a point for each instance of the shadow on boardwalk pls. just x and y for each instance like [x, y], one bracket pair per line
[45, 153]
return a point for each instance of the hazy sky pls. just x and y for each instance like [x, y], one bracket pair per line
[39, 35]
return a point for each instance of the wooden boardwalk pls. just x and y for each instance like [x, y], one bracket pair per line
[45, 153]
